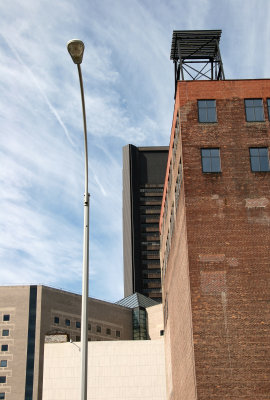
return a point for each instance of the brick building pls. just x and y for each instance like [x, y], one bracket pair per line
[215, 225]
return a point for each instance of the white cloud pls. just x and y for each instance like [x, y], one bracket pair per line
[128, 80]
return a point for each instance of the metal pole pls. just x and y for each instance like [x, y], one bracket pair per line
[85, 274]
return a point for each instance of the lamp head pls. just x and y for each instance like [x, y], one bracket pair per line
[76, 48]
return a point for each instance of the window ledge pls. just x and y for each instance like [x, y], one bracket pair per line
[208, 122]
[256, 122]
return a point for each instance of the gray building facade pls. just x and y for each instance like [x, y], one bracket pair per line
[30, 314]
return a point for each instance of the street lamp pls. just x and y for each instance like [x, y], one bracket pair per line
[75, 48]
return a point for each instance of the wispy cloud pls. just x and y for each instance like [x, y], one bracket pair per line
[128, 80]
[32, 76]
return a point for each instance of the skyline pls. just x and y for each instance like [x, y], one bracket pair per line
[129, 89]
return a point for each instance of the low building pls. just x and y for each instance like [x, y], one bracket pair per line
[33, 315]
[116, 370]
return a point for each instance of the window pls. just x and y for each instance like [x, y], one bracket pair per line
[78, 324]
[207, 111]
[56, 320]
[178, 183]
[165, 311]
[89, 327]
[268, 108]
[151, 190]
[117, 333]
[161, 332]
[78, 338]
[150, 262]
[2, 395]
[4, 347]
[67, 322]
[170, 177]
[5, 332]
[151, 252]
[3, 379]
[108, 331]
[98, 328]
[259, 159]
[6, 317]
[254, 110]
[3, 363]
[210, 160]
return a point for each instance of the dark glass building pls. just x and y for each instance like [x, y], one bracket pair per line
[143, 180]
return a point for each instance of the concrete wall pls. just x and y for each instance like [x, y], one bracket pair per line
[127, 222]
[117, 370]
[155, 321]
[68, 306]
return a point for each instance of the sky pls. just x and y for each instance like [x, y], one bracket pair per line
[129, 95]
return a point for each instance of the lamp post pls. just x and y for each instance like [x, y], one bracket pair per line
[76, 48]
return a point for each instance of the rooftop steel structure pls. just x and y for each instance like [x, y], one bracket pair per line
[197, 54]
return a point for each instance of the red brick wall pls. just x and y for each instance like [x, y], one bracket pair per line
[179, 350]
[179, 323]
[228, 248]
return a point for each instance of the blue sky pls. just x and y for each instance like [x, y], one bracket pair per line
[129, 88]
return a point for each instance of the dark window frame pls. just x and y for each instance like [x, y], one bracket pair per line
[254, 108]
[4, 346]
[98, 329]
[67, 322]
[211, 157]
[5, 332]
[254, 159]
[108, 331]
[268, 108]
[2, 395]
[6, 317]
[56, 320]
[78, 324]
[206, 107]
[117, 333]
[3, 379]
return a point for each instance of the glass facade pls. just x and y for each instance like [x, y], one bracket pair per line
[139, 323]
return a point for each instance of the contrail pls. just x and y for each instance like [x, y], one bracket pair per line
[103, 191]
[52, 109]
